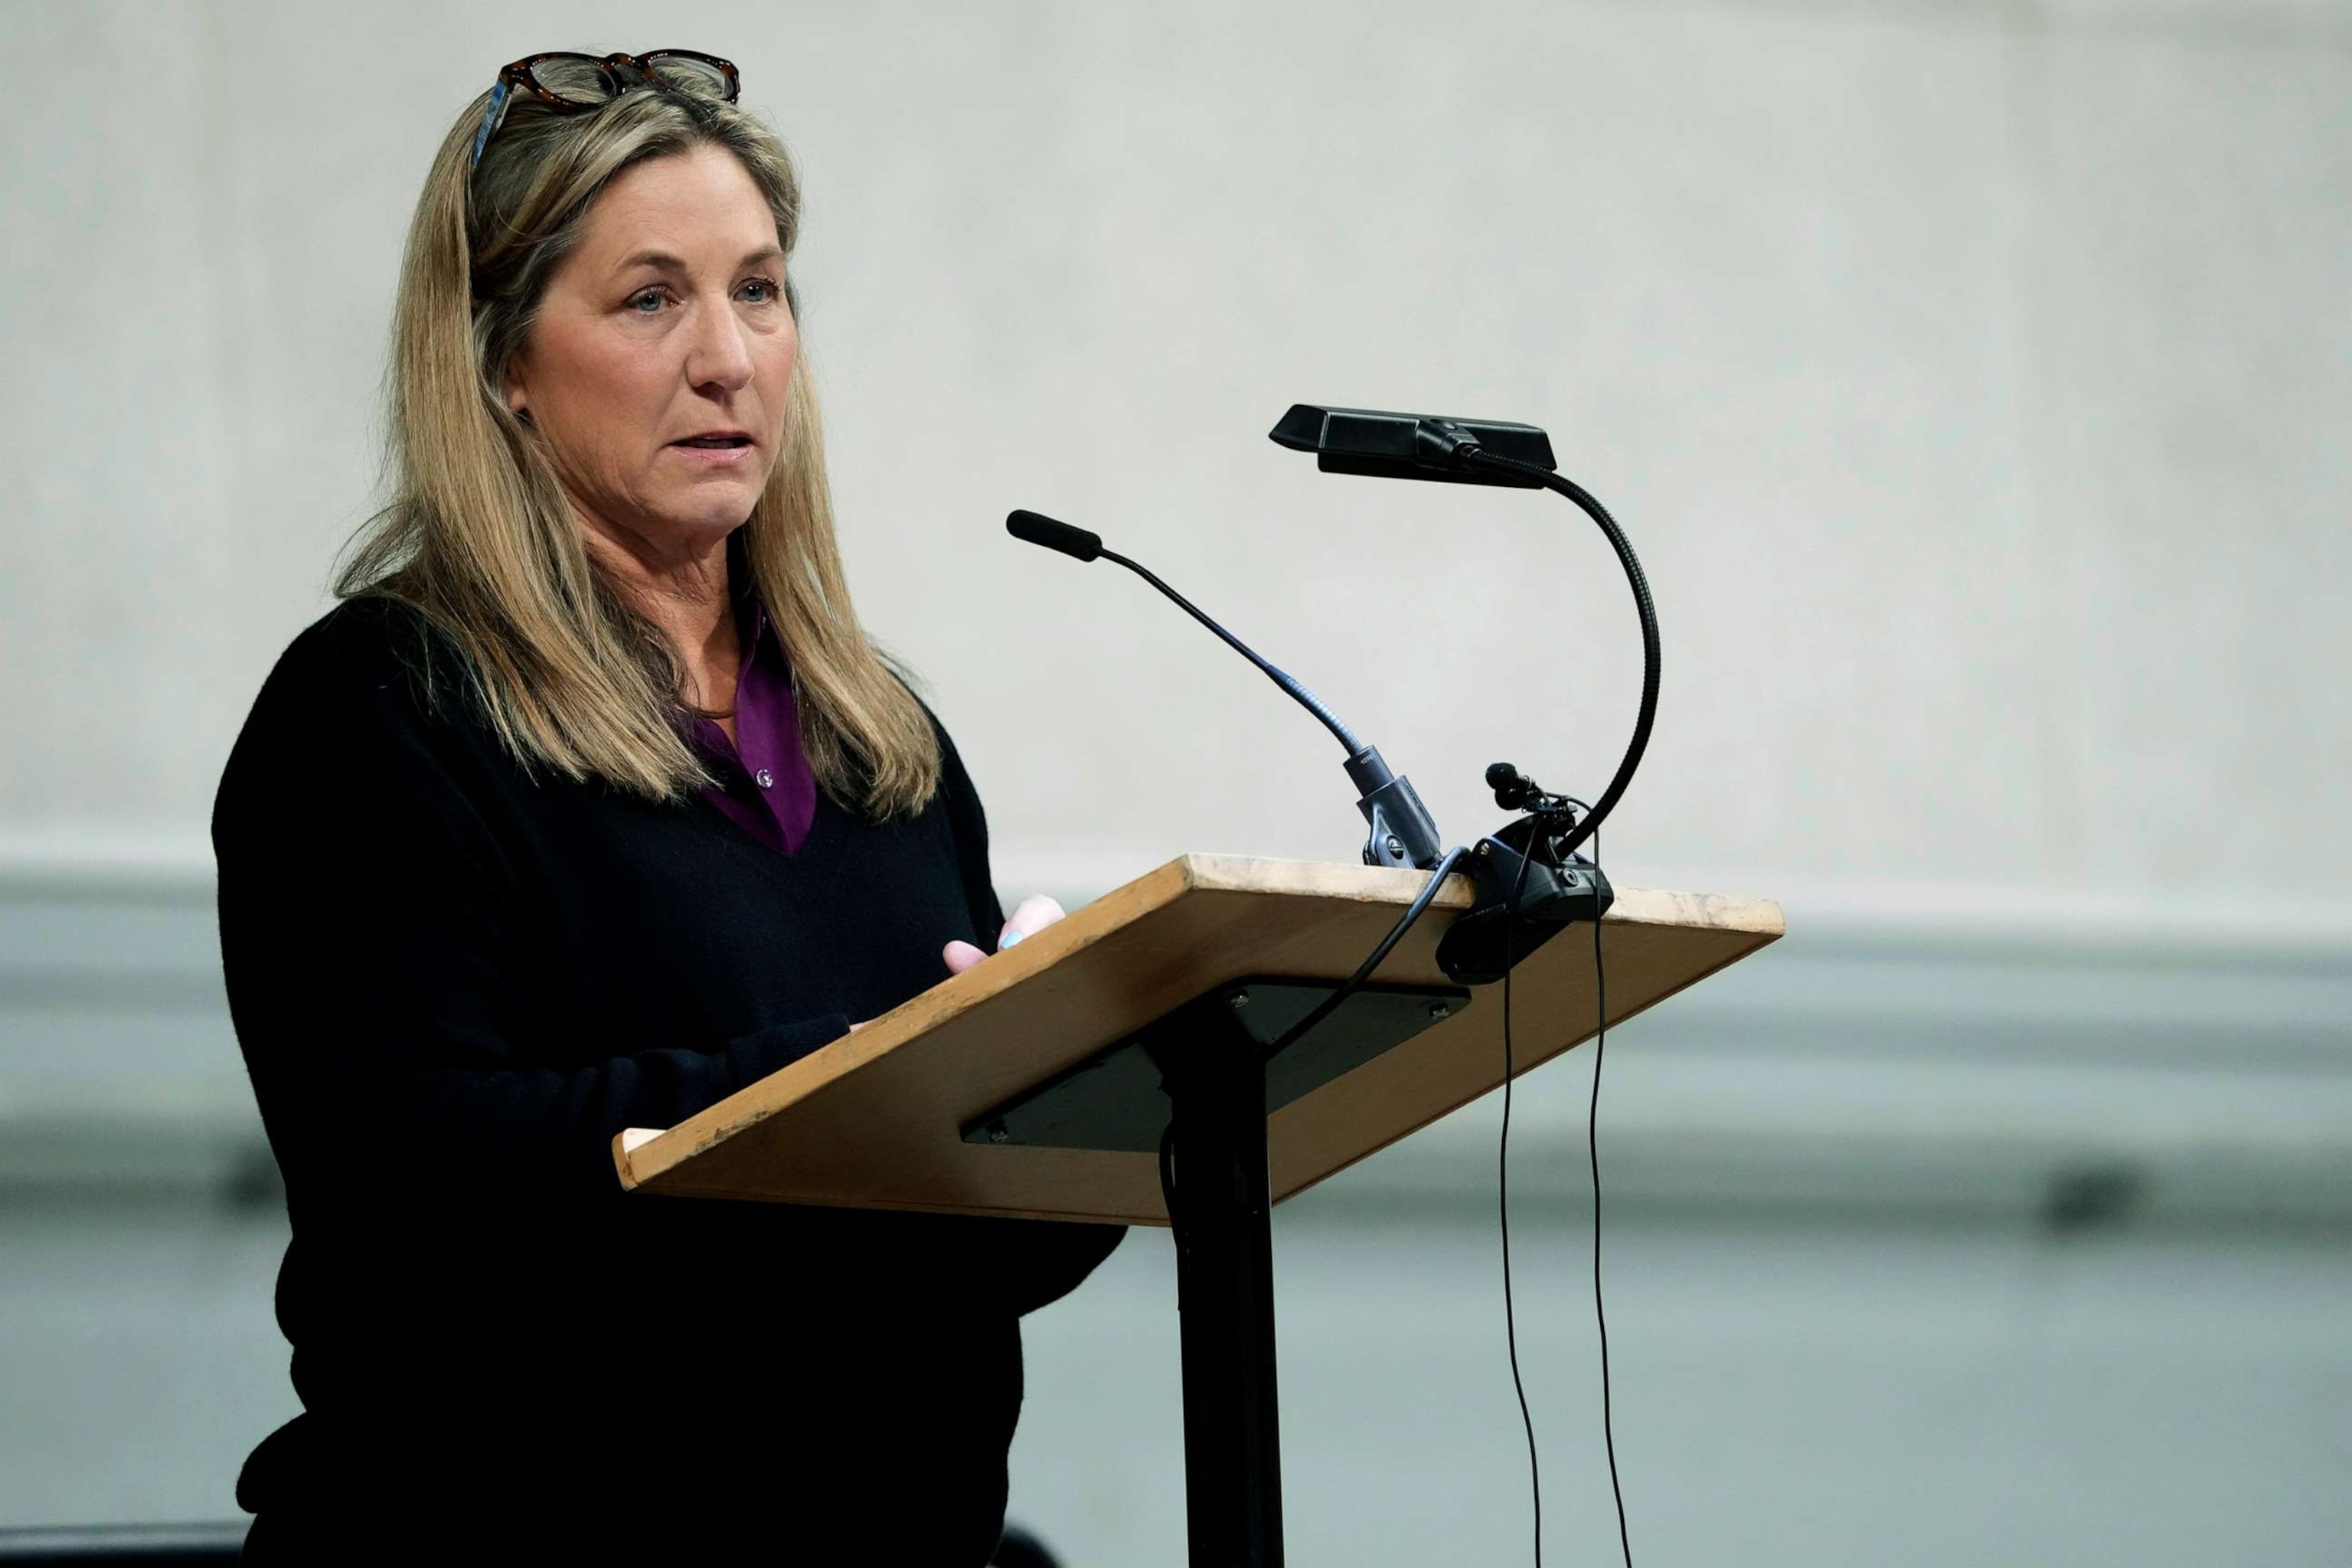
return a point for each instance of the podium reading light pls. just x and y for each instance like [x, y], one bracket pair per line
[1518, 907]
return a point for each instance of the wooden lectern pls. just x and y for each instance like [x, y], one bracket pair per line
[1043, 1081]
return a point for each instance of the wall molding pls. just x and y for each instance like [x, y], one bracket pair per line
[1914, 1049]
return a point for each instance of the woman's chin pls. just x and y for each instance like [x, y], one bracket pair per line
[713, 507]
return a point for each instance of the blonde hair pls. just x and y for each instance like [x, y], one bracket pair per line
[479, 538]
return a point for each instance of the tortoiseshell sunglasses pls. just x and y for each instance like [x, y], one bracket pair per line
[571, 83]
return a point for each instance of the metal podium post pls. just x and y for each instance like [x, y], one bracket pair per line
[1197, 1085]
[1223, 1215]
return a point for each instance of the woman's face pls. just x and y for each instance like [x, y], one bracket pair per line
[657, 369]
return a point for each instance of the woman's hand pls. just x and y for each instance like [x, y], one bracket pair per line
[1035, 913]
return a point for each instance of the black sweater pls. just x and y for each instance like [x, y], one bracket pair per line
[453, 983]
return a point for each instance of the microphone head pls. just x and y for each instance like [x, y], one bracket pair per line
[1511, 786]
[1038, 528]
[1410, 445]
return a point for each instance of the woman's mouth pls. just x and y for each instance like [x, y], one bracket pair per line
[716, 448]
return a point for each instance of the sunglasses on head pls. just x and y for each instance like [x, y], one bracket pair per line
[571, 83]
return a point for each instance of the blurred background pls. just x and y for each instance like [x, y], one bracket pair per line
[1975, 379]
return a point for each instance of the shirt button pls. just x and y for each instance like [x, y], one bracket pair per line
[764, 779]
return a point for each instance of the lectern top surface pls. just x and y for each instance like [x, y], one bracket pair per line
[874, 1119]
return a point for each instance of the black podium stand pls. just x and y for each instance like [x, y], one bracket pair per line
[1044, 1083]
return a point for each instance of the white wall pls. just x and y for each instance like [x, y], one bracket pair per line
[1972, 378]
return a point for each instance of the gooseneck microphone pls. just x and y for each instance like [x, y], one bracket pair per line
[1077, 543]
[1403, 833]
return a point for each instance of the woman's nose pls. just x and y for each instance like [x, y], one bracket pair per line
[721, 354]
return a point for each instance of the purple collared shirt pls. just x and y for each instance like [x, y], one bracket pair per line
[765, 785]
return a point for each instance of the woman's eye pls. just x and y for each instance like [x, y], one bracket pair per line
[761, 291]
[646, 303]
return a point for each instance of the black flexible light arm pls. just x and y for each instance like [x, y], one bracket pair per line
[1385, 444]
[1476, 456]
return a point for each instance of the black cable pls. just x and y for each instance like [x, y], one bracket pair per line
[1355, 983]
[1478, 457]
[1592, 1144]
[1321, 1011]
[1503, 1210]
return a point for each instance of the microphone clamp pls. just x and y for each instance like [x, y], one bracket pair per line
[1529, 887]
[1403, 832]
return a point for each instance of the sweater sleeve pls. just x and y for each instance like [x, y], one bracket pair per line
[376, 963]
[1028, 1263]
[970, 824]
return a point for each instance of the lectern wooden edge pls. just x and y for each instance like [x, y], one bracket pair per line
[950, 1101]
[874, 1120]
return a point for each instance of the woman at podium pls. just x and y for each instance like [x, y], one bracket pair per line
[591, 805]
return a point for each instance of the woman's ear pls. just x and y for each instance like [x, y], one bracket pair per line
[518, 395]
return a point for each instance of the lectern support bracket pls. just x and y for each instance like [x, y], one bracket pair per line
[1196, 1086]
